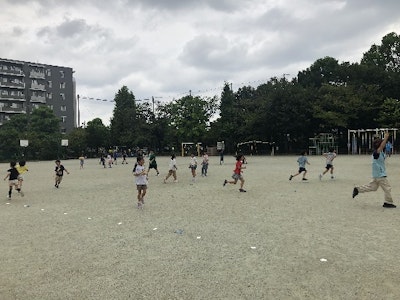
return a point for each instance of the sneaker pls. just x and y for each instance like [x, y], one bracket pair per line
[355, 192]
[242, 191]
[332, 177]
[175, 181]
[225, 182]
[291, 176]
[142, 200]
[8, 197]
[139, 205]
[389, 205]
[320, 176]
[305, 179]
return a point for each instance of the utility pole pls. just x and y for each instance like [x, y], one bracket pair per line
[153, 101]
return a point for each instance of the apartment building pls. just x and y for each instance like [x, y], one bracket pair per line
[25, 86]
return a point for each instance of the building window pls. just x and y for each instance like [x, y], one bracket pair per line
[63, 119]
[63, 108]
[49, 95]
[62, 96]
[62, 85]
[50, 84]
[48, 72]
[62, 74]
[50, 106]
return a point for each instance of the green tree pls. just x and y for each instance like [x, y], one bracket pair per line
[97, 135]
[123, 122]
[77, 141]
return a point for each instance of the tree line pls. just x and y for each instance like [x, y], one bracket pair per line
[327, 97]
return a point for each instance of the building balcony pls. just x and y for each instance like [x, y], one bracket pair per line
[36, 86]
[13, 110]
[11, 72]
[36, 74]
[20, 85]
[40, 99]
[12, 97]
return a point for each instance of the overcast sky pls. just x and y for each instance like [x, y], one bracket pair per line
[164, 48]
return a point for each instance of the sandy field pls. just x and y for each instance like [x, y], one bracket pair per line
[280, 240]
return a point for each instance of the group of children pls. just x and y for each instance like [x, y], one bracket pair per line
[379, 176]
[15, 177]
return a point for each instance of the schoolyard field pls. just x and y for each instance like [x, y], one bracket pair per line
[280, 240]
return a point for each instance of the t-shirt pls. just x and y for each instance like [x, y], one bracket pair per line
[172, 164]
[238, 167]
[59, 170]
[140, 179]
[13, 174]
[21, 169]
[302, 160]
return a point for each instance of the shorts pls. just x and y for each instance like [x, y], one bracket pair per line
[13, 182]
[59, 178]
[329, 166]
[193, 167]
[302, 170]
[141, 187]
[237, 176]
[20, 177]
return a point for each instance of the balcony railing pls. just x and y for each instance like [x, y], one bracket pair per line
[40, 99]
[36, 74]
[11, 72]
[36, 86]
[19, 85]
[21, 110]
[12, 97]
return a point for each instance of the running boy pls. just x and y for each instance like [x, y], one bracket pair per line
[302, 161]
[379, 178]
[139, 171]
[152, 162]
[237, 173]
[172, 169]
[21, 168]
[59, 172]
[12, 175]
[330, 156]
[193, 166]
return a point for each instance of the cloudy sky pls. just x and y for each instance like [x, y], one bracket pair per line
[164, 48]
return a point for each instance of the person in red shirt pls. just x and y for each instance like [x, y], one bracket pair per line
[237, 173]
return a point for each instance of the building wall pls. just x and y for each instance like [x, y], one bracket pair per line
[25, 86]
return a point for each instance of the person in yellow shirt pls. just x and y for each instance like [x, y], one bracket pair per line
[21, 168]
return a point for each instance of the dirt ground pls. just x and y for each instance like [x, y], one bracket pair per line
[280, 240]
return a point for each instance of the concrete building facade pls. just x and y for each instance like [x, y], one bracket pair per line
[25, 86]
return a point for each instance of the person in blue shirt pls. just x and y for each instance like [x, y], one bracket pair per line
[302, 161]
[379, 177]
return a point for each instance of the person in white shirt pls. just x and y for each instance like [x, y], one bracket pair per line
[172, 169]
[193, 166]
[139, 171]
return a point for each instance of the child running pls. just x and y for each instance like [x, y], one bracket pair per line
[237, 173]
[302, 161]
[12, 175]
[204, 164]
[22, 169]
[139, 171]
[379, 178]
[59, 172]
[172, 169]
[330, 156]
[193, 166]
[152, 162]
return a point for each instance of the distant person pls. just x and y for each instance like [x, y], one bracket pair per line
[152, 162]
[59, 173]
[204, 164]
[115, 156]
[103, 160]
[109, 160]
[302, 161]
[193, 166]
[329, 156]
[172, 169]
[22, 169]
[139, 171]
[124, 161]
[81, 161]
[237, 173]
[221, 156]
[379, 176]
[12, 176]
[388, 148]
